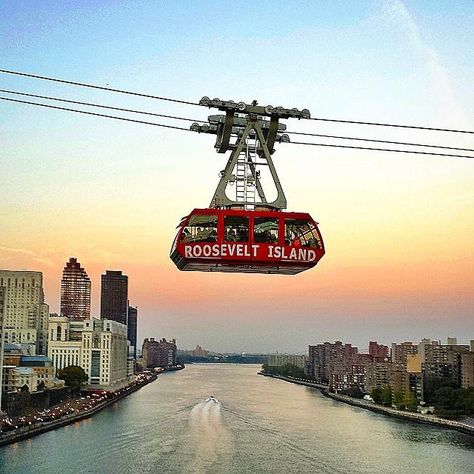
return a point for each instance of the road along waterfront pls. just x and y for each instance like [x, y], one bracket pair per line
[258, 425]
[71, 411]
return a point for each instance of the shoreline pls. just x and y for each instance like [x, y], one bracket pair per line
[388, 411]
[29, 432]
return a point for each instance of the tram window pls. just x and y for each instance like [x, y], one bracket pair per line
[302, 233]
[200, 228]
[266, 230]
[236, 229]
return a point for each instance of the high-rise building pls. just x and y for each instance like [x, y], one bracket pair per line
[378, 352]
[75, 291]
[467, 370]
[98, 346]
[159, 353]
[25, 314]
[132, 330]
[331, 358]
[114, 296]
[401, 351]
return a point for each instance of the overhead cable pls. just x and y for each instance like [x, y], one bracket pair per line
[380, 149]
[92, 86]
[173, 117]
[377, 124]
[90, 104]
[49, 106]
[95, 114]
[149, 96]
[379, 141]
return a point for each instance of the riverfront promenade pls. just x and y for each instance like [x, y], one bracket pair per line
[67, 412]
[367, 405]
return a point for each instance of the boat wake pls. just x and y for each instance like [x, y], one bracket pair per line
[211, 439]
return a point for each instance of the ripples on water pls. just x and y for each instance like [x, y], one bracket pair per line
[256, 425]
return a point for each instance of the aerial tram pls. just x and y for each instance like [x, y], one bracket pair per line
[247, 233]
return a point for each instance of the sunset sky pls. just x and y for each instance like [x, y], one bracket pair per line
[398, 229]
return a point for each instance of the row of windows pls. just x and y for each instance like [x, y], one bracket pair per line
[299, 232]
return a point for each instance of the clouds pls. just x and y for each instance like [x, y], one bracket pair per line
[396, 14]
[16, 256]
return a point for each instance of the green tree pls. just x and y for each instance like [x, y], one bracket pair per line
[354, 391]
[387, 395]
[287, 370]
[74, 376]
[398, 400]
[376, 395]
[409, 401]
[433, 384]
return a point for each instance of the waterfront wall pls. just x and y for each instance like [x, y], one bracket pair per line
[366, 405]
[45, 426]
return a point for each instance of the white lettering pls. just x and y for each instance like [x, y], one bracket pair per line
[215, 250]
[240, 250]
[270, 251]
[231, 249]
[293, 254]
[188, 251]
[302, 254]
[255, 249]
[197, 251]
[277, 252]
[223, 250]
[311, 255]
[246, 251]
[206, 250]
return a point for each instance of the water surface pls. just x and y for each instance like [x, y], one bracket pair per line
[258, 425]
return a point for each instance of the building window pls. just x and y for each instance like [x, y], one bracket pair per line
[95, 364]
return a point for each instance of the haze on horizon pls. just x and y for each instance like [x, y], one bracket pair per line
[398, 229]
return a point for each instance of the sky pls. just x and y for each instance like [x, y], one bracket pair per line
[399, 261]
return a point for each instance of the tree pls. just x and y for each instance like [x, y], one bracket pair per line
[376, 395]
[409, 401]
[74, 376]
[387, 395]
[354, 391]
[398, 400]
[433, 384]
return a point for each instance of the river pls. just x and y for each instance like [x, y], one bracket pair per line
[258, 425]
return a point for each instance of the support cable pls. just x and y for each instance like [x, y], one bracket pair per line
[95, 114]
[379, 141]
[90, 104]
[149, 96]
[92, 86]
[380, 149]
[378, 124]
[189, 130]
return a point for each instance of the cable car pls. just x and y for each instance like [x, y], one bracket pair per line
[255, 241]
[247, 233]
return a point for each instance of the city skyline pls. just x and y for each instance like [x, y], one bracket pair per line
[397, 229]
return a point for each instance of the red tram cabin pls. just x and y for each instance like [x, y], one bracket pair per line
[254, 241]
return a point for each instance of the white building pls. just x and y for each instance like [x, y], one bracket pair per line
[99, 346]
[25, 313]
